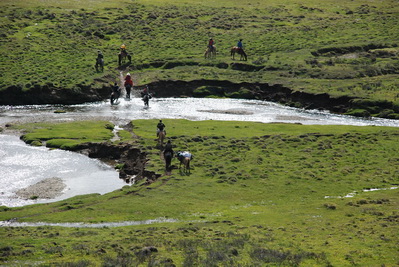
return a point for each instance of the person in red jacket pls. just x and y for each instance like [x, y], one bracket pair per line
[211, 45]
[128, 85]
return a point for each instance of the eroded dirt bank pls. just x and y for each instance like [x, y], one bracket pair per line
[49, 94]
[130, 159]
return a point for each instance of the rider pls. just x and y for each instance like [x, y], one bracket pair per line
[99, 58]
[123, 49]
[116, 91]
[128, 84]
[239, 44]
[144, 92]
[160, 127]
[211, 44]
[99, 55]
[168, 148]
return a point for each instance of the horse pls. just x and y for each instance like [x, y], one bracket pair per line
[210, 52]
[161, 137]
[239, 51]
[146, 99]
[185, 160]
[115, 96]
[128, 88]
[99, 64]
[168, 159]
[122, 56]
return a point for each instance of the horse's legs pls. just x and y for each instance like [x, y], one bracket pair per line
[128, 89]
[188, 165]
[119, 59]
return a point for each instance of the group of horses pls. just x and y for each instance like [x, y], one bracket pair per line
[168, 155]
[210, 53]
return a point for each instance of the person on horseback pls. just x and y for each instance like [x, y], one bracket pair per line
[123, 53]
[160, 127]
[168, 154]
[168, 148]
[99, 55]
[211, 45]
[144, 92]
[239, 44]
[115, 88]
[123, 49]
[99, 60]
[128, 85]
[116, 91]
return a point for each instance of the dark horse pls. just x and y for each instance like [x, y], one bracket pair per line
[115, 96]
[146, 99]
[128, 88]
[99, 64]
[240, 51]
[168, 159]
[122, 56]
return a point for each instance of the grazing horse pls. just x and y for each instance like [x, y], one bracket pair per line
[239, 51]
[99, 64]
[210, 52]
[161, 137]
[122, 56]
[185, 159]
[168, 159]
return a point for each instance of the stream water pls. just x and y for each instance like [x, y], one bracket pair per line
[22, 165]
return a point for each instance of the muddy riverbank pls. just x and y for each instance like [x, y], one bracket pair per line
[49, 94]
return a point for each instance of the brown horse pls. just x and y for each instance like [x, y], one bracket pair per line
[210, 52]
[161, 137]
[186, 164]
[240, 51]
[184, 160]
[122, 56]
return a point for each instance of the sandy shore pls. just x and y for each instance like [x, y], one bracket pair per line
[46, 189]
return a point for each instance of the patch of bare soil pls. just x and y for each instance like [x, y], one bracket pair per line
[46, 189]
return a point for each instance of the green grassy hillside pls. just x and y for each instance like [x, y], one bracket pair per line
[258, 195]
[338, 47]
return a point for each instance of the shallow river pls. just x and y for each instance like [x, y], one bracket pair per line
[22, 165]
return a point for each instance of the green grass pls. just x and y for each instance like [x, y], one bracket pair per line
[258, 195]
[338, 47]
[67, 135]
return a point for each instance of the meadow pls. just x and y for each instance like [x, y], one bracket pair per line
[337, 47]
[257, 195]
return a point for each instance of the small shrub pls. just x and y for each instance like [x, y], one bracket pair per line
[330, 206]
